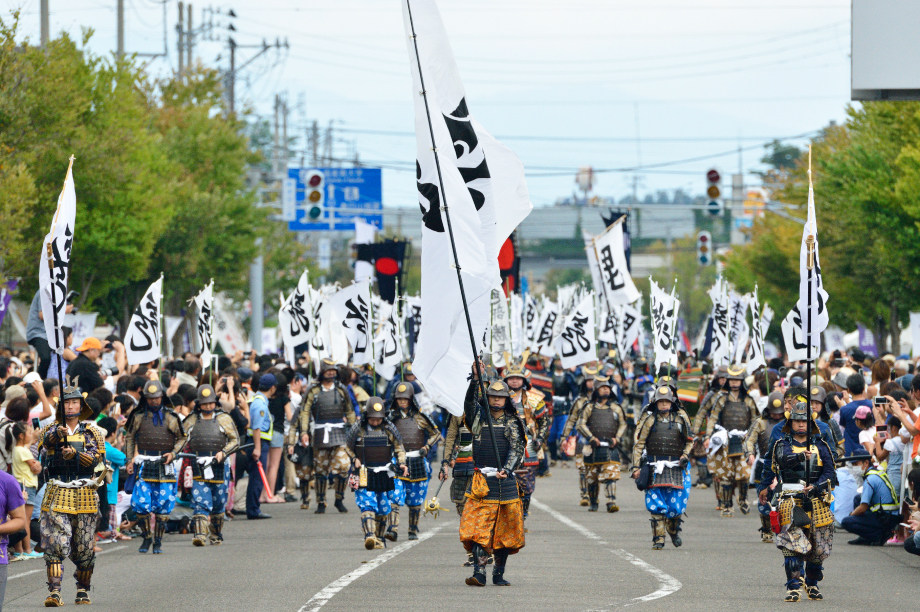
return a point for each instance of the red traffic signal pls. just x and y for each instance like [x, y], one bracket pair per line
[704, 248]
[713, 176]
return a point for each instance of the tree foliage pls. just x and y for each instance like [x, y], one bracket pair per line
[867, 197]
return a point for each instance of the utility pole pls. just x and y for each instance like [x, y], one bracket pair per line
[231, 87]
[314, 141]
[179, 34]
[284, 139]
[189, 38]
[256, 295]
[121, 29]
[276, 150]
[46, 34]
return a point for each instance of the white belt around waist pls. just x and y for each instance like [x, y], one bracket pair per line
[467, 448]
[793, 487]
[737, 433]
[414, 453]
[383, 468]
[326, 427]
[144, 458]
[75, 484]
[602, 443]
[489, 471]
[664, 463]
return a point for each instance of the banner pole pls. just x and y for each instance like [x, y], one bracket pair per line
[450, 233]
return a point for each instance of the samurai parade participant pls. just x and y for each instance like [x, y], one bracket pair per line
[493, 519]
[700, 422]
[375, 444]
[153, 436]
[757, 448]
[587, 389]
[74, 468]
[458, 454]
[664, 436]
[212, 436]
[734, 412]
[325, 413]
[531, 408]
[419, 434]
[300, 453]
[804, 467]
[602, 422]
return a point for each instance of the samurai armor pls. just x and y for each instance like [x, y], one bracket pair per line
[81, 500]
[418, 469]
[500, 490]
[154, 439]
[329, 407]
[603, 454]
[379, 482]
[413, 436]
[735, 415]
[671, 477]
[374, 448]
[603, 423]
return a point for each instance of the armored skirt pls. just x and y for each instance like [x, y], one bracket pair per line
[493, 516]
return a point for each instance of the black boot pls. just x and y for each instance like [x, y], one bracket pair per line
[742, 497]
[216, 529]
[673, 528]
[498, 570]
[305, 494]
[793, 566]
[393, 524]
[813, 575]
[525, 505]
[320, 484]
[415, 512]
[593, 490]
[83, 578]
[340, 483]
[726, 498]
[143, 523]
[159, 529]
[470, 561]
[479, 567]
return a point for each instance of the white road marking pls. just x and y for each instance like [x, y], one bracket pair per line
[42, 570]
[667, 583]
[320, 599]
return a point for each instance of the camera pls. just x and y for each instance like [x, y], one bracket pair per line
[878, 400]
[839, 363]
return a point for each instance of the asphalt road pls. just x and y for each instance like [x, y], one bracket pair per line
[573, 560]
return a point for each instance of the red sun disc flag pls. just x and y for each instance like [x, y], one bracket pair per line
[509, 264]
[387, 258]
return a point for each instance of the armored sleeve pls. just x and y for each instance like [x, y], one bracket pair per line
[294, 432]
[573, 417]
[750, 438]
[93, 448]
[434, 436]
[472, 409]
[233, 437]
[700, 421]
[352, 438]
[396, 440]
[622, 420]
[642, 431]
[306, 411]
[350, 416]
[688, 443]
[450, 441]
[130, 434]
[175, 425]
[715, 414]
[827, 463]
[516, 441]
[583, 417]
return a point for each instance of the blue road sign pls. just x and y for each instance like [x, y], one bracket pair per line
[334, 197]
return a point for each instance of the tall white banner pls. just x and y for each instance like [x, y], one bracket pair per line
[364, 234]
[350, 306]
[57, 248]
[814, 317]
[204, 303]
[295, 315]
[794, 338]
[617, 284]
[542, 343]
[834, 339]
[576, 344]
[517, 324]
[142, 341]
[531, 320]
[499, 329]
[611, 326]
[720, 351]
[757, 355]
[483, 187]
[596, 278]
[664, 310]
[387, 344]
[631, 325]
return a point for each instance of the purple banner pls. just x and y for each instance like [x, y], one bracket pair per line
[867, 341]
[6, 296]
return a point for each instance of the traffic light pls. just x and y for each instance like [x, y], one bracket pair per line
[713, 204]
[704, 248]
[314, 194]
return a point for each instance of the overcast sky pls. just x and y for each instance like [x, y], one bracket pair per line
[564, 83]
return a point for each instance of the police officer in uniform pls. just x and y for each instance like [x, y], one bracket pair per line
[603, 423]
[375, 445]
[757, 452]
[663, 442]
[735, 412]
[212, 437]
[419, 434]
[153, 437]
[326, 414]
[74, 462]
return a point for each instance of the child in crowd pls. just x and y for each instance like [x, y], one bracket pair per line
[25, 470]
